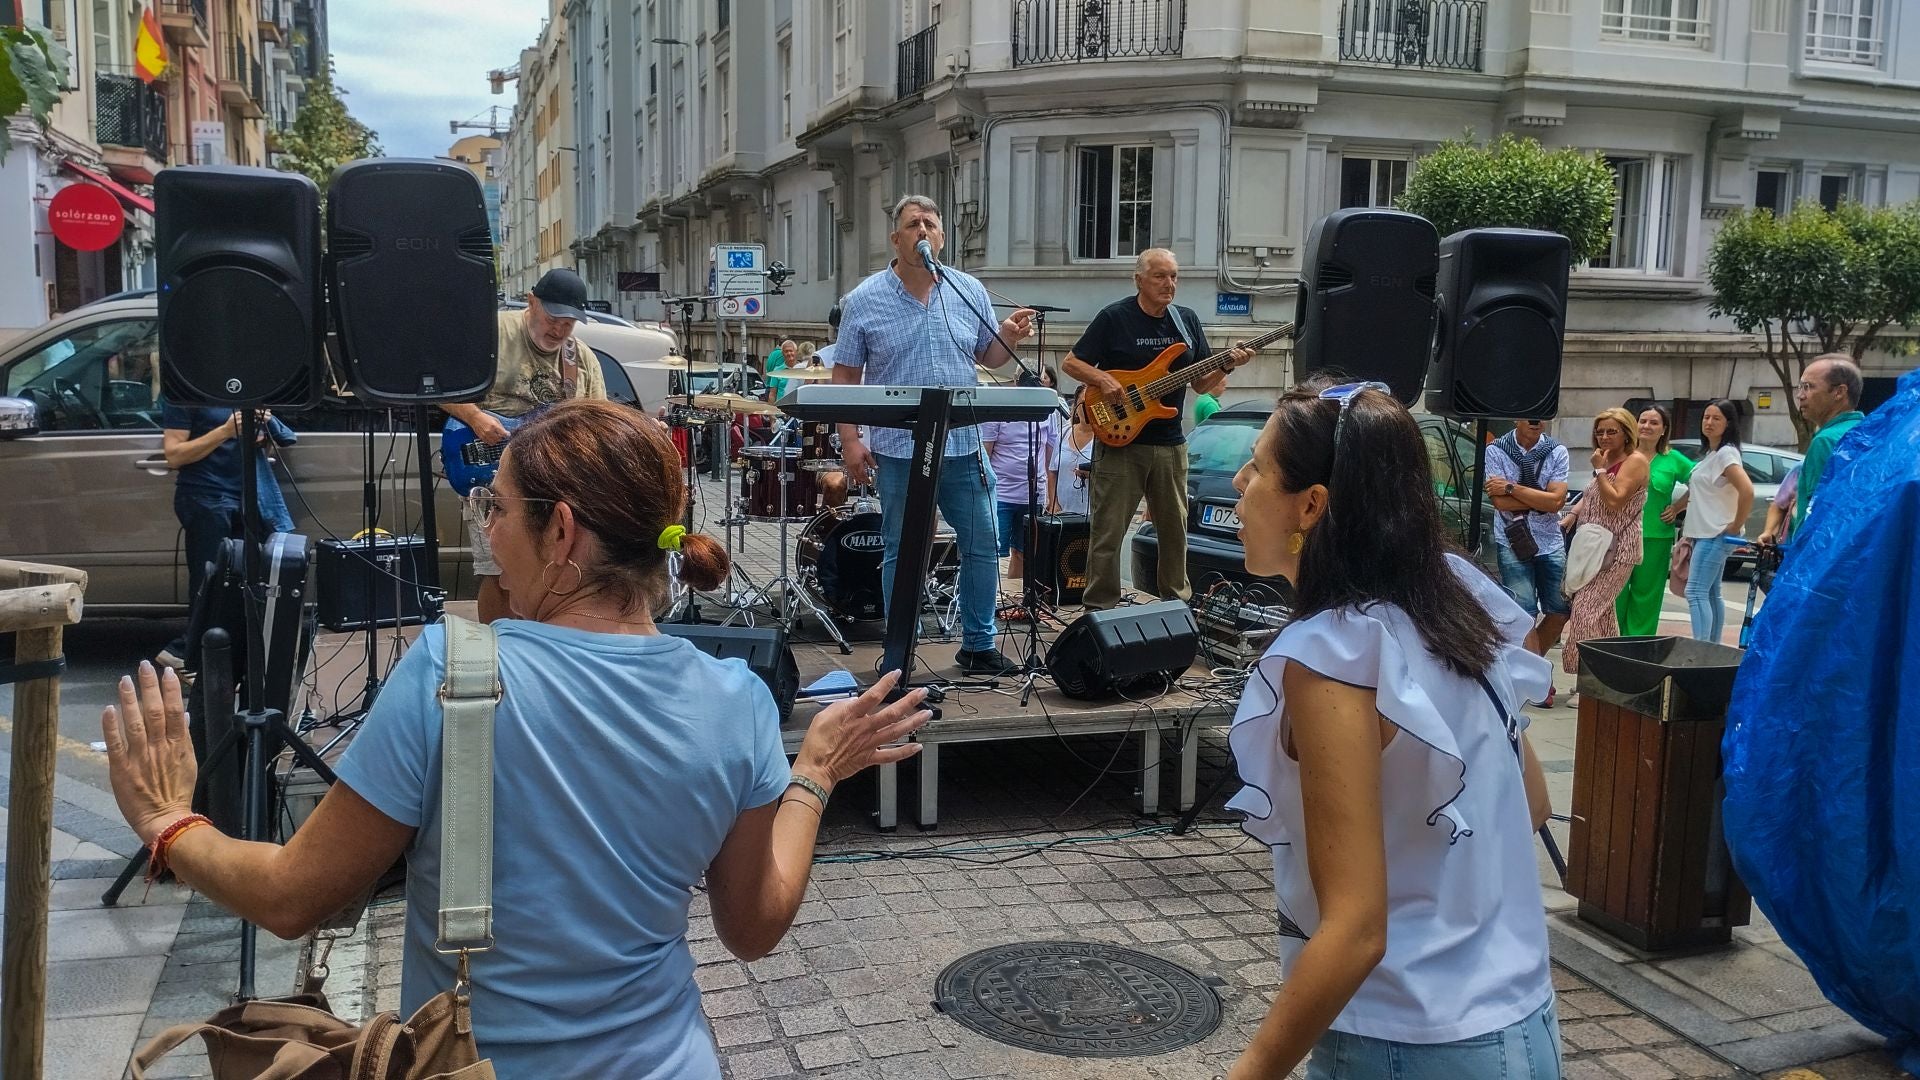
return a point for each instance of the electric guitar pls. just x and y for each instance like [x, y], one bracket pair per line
[468, 461]
[1116, 421]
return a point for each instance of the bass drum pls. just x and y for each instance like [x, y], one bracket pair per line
[842, 549]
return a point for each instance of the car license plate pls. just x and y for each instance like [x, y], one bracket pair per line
[1219, 517]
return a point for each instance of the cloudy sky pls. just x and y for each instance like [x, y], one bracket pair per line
[410, 66]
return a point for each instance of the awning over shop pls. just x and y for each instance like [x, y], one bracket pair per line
[125, 194]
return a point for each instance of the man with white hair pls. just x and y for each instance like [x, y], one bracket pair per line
[1125, 335]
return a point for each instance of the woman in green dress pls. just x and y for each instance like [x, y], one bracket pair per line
[1638, 606]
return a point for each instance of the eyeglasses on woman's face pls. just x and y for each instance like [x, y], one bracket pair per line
[489, 504]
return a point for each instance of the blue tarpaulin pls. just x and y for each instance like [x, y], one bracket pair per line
[1822, 743]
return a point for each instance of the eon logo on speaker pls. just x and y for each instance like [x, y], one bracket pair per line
[1388, 281]
[416, 243]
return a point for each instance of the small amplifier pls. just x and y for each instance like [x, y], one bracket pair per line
[1107, 654]
[397, 577]
[1058, 550]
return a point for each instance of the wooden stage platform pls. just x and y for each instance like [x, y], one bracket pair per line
[975, 710]
[988, 710]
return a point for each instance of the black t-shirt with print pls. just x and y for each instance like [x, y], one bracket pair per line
[1122, 337]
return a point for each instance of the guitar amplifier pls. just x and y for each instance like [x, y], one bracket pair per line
[1058, 550]
[398, 581]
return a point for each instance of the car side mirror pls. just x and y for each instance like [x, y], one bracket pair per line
[19, 418]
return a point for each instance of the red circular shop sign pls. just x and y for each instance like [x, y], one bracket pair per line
[86, 217]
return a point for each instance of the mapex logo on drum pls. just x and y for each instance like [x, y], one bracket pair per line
[863, 541]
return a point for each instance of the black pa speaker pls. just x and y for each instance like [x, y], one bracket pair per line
[764, 649]
[1503, 317]
[1366, 305]
[1108, 653]
[240, 303]
[410, 269]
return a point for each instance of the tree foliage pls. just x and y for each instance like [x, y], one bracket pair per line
[33, 68]
[324, 135]
[1515, 184]
[1817, 281]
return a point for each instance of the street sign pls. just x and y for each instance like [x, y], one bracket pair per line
[742, 307]
[1232, 303]
[637, 281]
[737, 269]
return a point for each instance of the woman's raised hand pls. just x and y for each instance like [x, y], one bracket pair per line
[849, 736]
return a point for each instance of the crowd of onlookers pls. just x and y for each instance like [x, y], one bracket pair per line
[1652, 519]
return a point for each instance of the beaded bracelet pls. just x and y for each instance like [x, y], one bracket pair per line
[811, 786]
[162, 846]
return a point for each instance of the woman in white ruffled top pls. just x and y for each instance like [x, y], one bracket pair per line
[1382, 746]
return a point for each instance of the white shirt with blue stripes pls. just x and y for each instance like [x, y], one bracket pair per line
[898, 341]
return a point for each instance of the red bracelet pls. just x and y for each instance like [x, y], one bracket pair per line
[162, 846]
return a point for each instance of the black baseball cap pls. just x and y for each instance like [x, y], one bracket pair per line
[562, 293]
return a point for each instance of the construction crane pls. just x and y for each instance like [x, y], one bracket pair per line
[491, 125]
[498, 78]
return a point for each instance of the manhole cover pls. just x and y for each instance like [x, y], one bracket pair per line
[1078, 999]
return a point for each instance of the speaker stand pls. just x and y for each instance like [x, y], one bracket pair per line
[1479, 487]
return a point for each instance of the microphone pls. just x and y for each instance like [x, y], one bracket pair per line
[926, 256]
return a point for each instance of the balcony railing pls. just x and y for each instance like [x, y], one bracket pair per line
[1448, 35]
[1677, 22]
[915, 69]
[128, 112]
[184, 22]
[1071, 31]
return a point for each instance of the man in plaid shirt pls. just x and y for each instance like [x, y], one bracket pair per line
[902, 327]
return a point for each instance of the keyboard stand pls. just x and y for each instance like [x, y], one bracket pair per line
[915, 556]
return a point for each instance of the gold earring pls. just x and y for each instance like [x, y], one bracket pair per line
[1295, 542]
[577, 574]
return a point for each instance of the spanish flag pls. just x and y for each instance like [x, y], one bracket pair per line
[149, 54]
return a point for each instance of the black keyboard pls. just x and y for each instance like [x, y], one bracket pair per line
[899, 406]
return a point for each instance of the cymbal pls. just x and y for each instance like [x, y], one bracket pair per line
[734, 403]
[803, 374]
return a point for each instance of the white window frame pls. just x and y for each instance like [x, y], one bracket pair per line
[1840, 40]
[1116, 207]
[786, 88]
[842, 33]
[1374, 163]
[1655, 222]
[721, 71]
[1658, 22]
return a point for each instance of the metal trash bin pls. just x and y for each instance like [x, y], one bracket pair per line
[1647, 860]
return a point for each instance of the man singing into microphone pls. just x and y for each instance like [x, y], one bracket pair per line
[903, 326]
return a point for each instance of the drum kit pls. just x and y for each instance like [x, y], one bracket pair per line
[835, 569]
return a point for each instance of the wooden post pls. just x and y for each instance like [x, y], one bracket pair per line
[46, 600]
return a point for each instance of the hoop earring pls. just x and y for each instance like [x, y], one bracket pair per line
[1296, 542]
[578, 574]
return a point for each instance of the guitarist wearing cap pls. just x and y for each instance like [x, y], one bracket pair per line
[541, 363]
[1126, 335]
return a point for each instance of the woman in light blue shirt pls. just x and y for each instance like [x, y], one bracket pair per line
[629, 767]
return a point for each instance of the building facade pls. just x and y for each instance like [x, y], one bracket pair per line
[484, 157]
[1064, 136]
[538, 190]
[116, 131]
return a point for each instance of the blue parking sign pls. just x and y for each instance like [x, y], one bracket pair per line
[739, 260]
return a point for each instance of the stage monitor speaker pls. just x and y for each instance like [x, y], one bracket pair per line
[1503, 317]
[398, 582]
[764, 649]
[1109, 653]
[1057, 545]
[1365, 308]
[241, 311]
[410, 265]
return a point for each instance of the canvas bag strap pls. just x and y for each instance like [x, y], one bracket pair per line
[467, 701]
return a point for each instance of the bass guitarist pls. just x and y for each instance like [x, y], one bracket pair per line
[541, 363]
[1125, 335]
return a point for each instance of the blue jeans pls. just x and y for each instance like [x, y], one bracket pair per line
[966, 499]
[1012, 521]
[1709, 565]
[1527, 1050]
[1536, 585]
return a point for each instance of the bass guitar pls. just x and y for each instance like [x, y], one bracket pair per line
[1117, 420]
[468, 461]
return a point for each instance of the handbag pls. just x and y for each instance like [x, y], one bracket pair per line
[299, 1038]
[1520, 539]
[1586, 553]
[1678, 565]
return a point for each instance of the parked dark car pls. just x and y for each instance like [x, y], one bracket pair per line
[1215, 451]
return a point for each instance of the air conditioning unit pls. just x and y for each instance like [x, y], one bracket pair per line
[954, 62]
